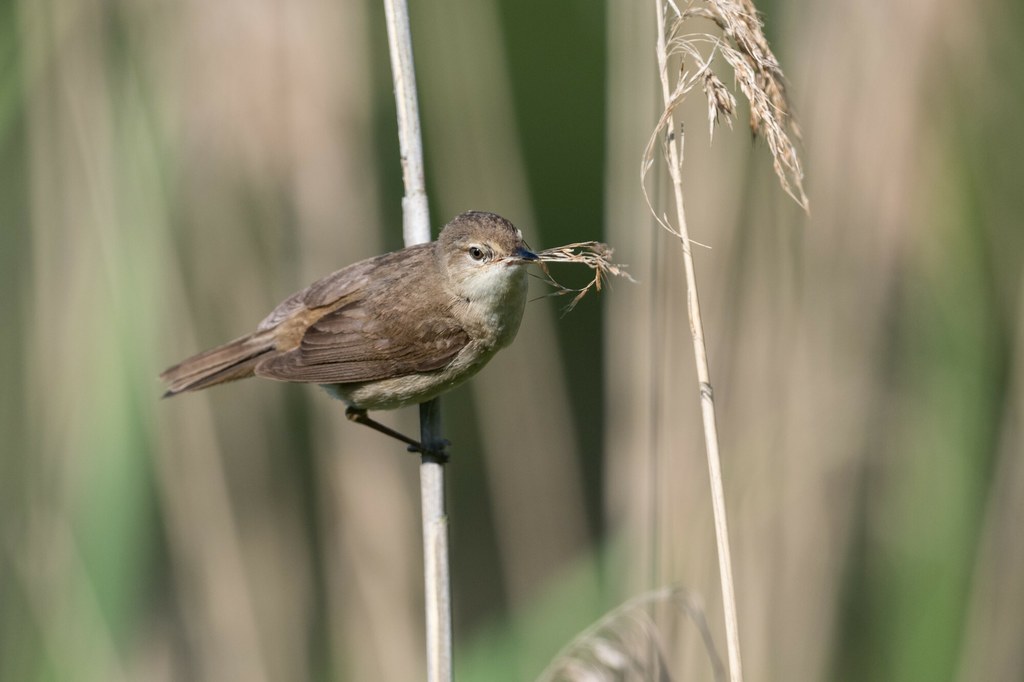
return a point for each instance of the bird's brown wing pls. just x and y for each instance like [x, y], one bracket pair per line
[348, 346]
[349, 283]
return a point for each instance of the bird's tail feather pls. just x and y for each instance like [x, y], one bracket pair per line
[234, 360]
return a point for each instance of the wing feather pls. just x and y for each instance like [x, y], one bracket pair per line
[353, 333]
[344, 347]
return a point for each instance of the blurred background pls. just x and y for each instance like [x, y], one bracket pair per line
[170, 171]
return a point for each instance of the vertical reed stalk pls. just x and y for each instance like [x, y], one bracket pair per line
[416, 230]
[684, 63]
[700, 356]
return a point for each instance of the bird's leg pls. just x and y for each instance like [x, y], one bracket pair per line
[358, 416]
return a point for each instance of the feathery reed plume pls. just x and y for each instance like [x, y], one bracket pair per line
[595, 255]
[756, 72]
[625, 644]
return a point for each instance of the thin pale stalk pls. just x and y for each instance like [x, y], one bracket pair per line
[700, 356]
[436, 576]
[415, 214]
[416, 230]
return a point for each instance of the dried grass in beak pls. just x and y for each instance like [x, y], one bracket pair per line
[595, 255]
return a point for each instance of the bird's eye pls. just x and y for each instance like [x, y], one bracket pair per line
[476, 253]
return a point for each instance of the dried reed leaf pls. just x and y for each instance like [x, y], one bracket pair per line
[627, 645]
[595, 255]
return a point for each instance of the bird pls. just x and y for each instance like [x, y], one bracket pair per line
[394, 330]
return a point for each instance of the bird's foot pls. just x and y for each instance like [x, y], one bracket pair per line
[437, 452]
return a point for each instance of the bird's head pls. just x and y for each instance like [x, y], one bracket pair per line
[484, 256]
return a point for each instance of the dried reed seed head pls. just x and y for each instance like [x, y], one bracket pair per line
[757, 74]
[721, 102]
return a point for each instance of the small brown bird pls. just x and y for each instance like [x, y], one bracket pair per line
[389, 331]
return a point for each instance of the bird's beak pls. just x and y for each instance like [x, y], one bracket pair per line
[524, 255]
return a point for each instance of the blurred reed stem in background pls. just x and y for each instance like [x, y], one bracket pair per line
[168, 172]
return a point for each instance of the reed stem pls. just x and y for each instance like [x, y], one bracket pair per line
[416, 230]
